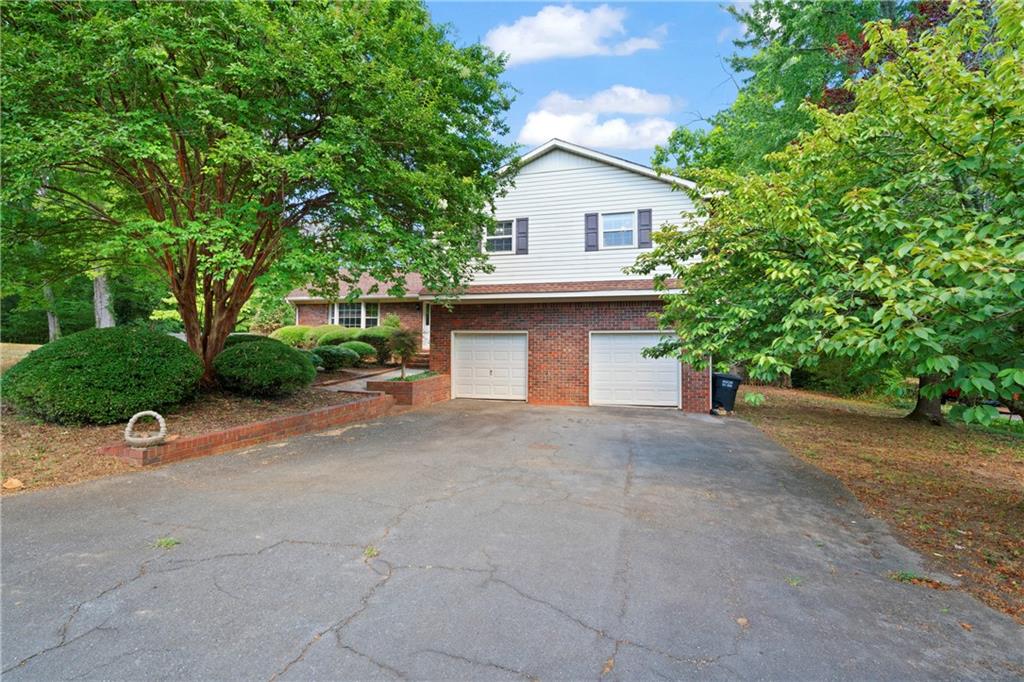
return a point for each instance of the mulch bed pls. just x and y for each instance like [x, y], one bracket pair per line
[46, 455]
[953, 493]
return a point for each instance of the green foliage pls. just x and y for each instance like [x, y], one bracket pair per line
[787, 58]
[102, 376]
[378, 337]
[338, 336]
[293, 335]
[889, 235]
[235, 339]
[336, 357]
[204, 138]
[754, 399]
[403, 344]
[314, 337]
[265, 311]
[391, 320]
[264, 370]
[364, 350]
[314, 357]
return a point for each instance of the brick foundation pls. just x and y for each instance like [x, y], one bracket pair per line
[267, 431]
[558, 368]
[422, 392]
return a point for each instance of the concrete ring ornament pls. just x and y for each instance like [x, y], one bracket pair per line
[144, 441]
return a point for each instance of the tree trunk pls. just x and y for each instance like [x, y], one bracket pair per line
[52, 321]
[101, 302]
[927, 409]
[403, 368]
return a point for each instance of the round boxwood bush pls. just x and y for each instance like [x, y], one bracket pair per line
[338, 336]
[360, 348]
[313, 356]
[336, 357]
[103, 376]
[293, 335]
[244, 338]
[315, 335]
[264, 370]
[379, 338]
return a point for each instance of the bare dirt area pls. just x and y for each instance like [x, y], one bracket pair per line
[11, 353]
[954, 493]
[45, 455]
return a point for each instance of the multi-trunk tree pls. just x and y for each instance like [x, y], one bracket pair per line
[890, 234]
[215, 140]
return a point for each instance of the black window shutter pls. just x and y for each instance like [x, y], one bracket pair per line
[522, 235]
[643, 228]
[590, 231]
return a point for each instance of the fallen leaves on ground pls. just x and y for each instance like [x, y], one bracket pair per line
[46, 455]
[953, 493]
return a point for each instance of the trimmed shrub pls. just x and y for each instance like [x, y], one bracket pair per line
[293, 335]
[339, 336]
[235, 339]
[378, 337]
[314, 335]
[336, 357]
[364, 350]
[313, 356]
[264, 370]
[103, 376]
[391, 320]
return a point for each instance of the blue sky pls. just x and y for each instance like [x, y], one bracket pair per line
[617, 76]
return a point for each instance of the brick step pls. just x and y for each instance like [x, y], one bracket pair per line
[418, 364]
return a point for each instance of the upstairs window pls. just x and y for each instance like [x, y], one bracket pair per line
[618, 230]
[499, 237]
[357, 315]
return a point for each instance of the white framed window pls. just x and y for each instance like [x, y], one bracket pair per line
[359, 315]
[500, 237]
[618, 230]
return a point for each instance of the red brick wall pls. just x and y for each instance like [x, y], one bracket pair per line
[422, 392]
[312, 314]
[558, 369]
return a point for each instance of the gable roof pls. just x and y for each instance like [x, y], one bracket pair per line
[586, 152]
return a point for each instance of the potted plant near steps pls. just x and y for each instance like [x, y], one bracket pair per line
[404, 344]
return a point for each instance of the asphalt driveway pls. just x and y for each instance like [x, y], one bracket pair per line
[505, 541]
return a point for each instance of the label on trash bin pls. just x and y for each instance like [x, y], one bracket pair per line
[728, 383]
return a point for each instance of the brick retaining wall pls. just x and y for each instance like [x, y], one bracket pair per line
[421, 392]
[217, 442]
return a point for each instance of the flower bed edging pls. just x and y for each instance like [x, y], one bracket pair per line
[423, 392]
[217, 442]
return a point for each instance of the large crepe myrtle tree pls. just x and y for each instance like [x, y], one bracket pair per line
[890, 235]
[215, 141]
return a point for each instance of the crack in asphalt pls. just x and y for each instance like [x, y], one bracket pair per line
[383, 666]
[476, 662]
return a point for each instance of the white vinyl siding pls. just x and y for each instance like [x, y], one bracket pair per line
[556, 193]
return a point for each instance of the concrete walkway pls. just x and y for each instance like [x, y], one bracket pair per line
[482, 540]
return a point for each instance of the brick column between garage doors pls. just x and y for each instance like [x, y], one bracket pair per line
[558, 365]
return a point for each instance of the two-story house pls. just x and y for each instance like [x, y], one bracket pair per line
[557, 321]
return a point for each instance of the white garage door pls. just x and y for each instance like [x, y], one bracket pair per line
[489, 366]
[621, 375]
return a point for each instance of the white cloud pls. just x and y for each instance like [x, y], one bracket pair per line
[585, 129]
[579, 120]
[564, 31]
[619, 99]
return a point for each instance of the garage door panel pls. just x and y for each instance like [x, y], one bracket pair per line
[489, 365]
[621, 375]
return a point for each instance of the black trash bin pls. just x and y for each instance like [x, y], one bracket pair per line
[723, 390]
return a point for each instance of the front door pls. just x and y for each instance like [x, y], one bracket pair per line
[425, 341]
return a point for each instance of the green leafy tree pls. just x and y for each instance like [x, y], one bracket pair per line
[889, 235]
[404, 344]
[215, 140]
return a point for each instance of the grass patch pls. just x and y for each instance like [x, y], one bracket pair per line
[166, 543]
[371, 552]
[953, 493]
[416, 377]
